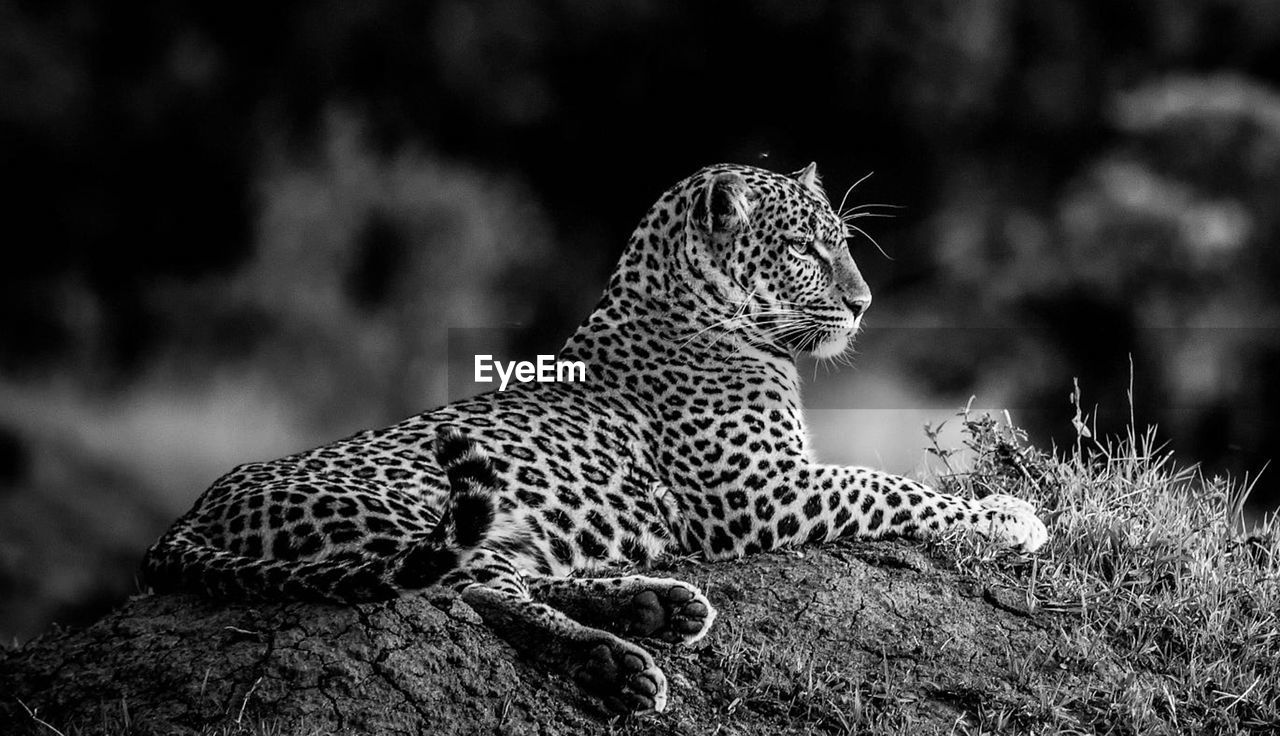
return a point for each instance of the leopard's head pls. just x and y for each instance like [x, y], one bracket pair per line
[777, 254]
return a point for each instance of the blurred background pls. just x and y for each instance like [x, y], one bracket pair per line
[231, 235]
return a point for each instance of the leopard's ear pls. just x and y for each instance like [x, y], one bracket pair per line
[809, 179]
[722, 207]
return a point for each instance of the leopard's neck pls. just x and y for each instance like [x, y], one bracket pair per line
[664, 299]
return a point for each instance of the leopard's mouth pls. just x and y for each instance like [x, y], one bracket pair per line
[834, 336]
[817, 330]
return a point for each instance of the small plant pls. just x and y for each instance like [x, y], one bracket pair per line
[1003, 459]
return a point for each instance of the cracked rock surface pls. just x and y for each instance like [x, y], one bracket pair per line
[804, 642]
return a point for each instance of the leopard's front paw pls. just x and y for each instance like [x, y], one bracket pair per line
[621, 674]
[1013, 522]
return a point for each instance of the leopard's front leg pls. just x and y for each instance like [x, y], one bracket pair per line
[817, 503]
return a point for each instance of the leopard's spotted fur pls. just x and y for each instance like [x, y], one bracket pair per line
[687, 437]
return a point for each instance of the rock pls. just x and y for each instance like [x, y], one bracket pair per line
[803, 643]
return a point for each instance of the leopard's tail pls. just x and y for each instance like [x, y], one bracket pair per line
[469, 514]
[184, 560]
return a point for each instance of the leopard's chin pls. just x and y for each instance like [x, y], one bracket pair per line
[833, 345]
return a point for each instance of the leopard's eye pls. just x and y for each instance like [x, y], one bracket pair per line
[801, 245]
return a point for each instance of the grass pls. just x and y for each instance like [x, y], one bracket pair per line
[821, 700]
[1168, 597]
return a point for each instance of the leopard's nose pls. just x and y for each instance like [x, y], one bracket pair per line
[858, 304]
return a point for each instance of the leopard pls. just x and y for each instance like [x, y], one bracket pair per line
[547, 506]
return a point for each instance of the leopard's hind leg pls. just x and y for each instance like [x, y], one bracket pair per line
[620, 673]
[310, 565]
[637, 605]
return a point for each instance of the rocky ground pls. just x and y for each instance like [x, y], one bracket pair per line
[851, 637]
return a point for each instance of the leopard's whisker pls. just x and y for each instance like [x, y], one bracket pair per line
[856, 208]
[852, 186]
[866, 235]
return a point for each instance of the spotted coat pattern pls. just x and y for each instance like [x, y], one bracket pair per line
[687, 437]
